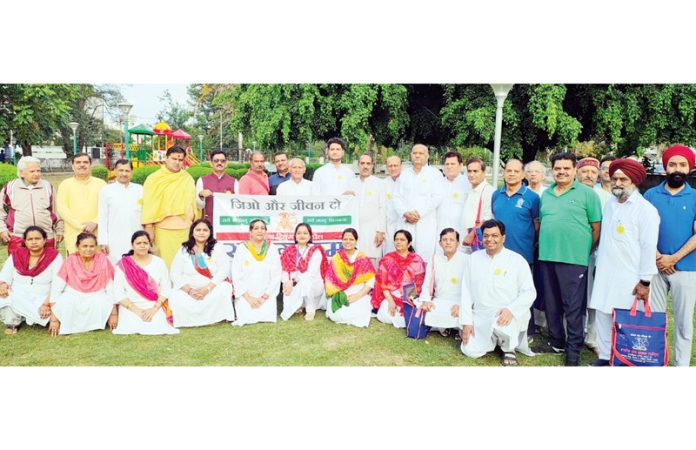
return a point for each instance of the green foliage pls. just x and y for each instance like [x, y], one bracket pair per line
[198, 171]
[141, 173]
[8, 172]
[101, 172]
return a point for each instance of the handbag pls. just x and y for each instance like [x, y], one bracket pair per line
[477, 243]
[413, 316]
[639, 338]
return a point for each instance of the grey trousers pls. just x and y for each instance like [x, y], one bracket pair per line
[683, 287]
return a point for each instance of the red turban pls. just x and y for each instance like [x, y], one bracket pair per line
[588, 162]
[678, 150]
[632, 168]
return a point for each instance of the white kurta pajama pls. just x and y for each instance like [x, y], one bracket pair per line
[371, 214]
[256, 278]
[445, 276]
[422, 192]
[450, 213]
[626, 255]
[78, 311]
[26, 294]
[393, 221]
[357, 313]
[128, 321]
[309, 290]
[328, 180]
[216, 306]
[482, 193]
[119, 217]
[289, 187]
[489, 285]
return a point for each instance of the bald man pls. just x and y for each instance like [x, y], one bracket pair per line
[255, 181]
[418, 193]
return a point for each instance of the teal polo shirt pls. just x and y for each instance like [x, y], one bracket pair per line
[565, 234]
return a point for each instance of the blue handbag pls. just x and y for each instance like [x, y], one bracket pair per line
[639, 338]
[413, 316]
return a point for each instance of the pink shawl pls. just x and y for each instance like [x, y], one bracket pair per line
[93, 280]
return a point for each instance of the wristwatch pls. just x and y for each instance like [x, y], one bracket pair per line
[645, 283]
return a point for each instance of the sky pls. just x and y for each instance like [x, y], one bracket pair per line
[146, 102]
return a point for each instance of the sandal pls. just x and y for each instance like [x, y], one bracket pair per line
[509, 359]
[444, 332]
[11, 329]
[309, 315]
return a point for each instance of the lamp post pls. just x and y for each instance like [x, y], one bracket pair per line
[125, 109]
[74, 126]
[12, 149]
[200, 149]
[220, 129]
[501, 92]
[240, 137]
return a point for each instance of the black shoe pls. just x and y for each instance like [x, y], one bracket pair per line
[600, 363]
[547, 348]
[572, 360]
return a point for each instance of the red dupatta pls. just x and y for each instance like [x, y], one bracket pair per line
[20, 259]
[143, 284]
[390, 273]
[291, 261]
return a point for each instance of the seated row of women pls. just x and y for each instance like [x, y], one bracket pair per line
[140, 296]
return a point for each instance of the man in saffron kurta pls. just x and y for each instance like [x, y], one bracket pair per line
[77, 200]
[255, 181]
[169, 205]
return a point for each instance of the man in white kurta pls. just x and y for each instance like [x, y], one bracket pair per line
[372, 219]
[497, 293]
[481, 194]
[442, 288]
[393, 219]
[296, 185]
[255, 278]
[119, 210]
[333, 178]
[457, 186]
[626, 253]
[418, 193]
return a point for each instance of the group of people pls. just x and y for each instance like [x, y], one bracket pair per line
[493, 264]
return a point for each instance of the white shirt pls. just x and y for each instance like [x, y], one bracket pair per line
[157, 269]
[447, 278]
[604, 196]
[328, 180]
[626, 253]
[256, 277]
[184, 272]
[289, 187]
[119, 217]
[451, 210]
[371, 213]
[490, 284]
[484, 192]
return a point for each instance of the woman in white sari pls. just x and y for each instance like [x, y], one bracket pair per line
[256, 273]
[202, 293]
[141, 285]
[25, 281]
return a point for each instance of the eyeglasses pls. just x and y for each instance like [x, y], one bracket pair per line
[218, 160]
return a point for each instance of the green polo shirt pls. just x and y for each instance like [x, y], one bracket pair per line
[565, 235]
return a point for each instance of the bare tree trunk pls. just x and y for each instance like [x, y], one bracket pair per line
[26, 150]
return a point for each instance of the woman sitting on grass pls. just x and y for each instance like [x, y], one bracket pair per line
[398, 271]
[141, 284]
[256, 272]
[304, 268]
[202, 293]
[348, 282]
[25, 281]
[81, 292]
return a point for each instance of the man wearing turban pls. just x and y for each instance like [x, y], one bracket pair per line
[626, 253]
[675, 201]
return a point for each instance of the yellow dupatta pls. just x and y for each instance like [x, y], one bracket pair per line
[167, 193]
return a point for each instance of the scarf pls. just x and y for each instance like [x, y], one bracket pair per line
[343, 274]
[198, 259]
[143, 284]
[291, 262]
[20, 259]
[95, 279]
[261, 181]
[167, 193]
[390, 276]
[260, 256]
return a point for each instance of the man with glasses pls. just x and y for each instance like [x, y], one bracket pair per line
[535, 172]
[217, 181]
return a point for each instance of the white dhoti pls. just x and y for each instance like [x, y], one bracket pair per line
[130, 323]
[487, 334]
[214, 307]
[23, 304]
[79, 312]
[441, 314]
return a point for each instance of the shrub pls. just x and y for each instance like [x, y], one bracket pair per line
[101, 172]
[198, 171]
[141, 173]
[8, 172]
[309, 174]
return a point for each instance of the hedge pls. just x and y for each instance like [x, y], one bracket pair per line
[234, 170]
[101, 172]
[8, 172]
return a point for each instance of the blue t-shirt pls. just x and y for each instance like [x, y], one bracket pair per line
[677, 216]
[518, 213]
[275, 180]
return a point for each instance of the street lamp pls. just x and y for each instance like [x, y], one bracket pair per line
[13, 149]
[240, 137]
[501, 92]
[200, 149]
[74, 126]
[125, 109]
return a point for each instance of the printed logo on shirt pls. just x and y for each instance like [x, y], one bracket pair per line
[620, 229]
[388, 196]
[340, 177]
[369, 192]
[453, 280]
[455, 195]
[140, 201]
[520, 203]
[498, 271]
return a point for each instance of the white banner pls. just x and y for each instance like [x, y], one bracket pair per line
[327, 215]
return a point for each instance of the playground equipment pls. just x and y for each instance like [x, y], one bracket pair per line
[150, 146]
